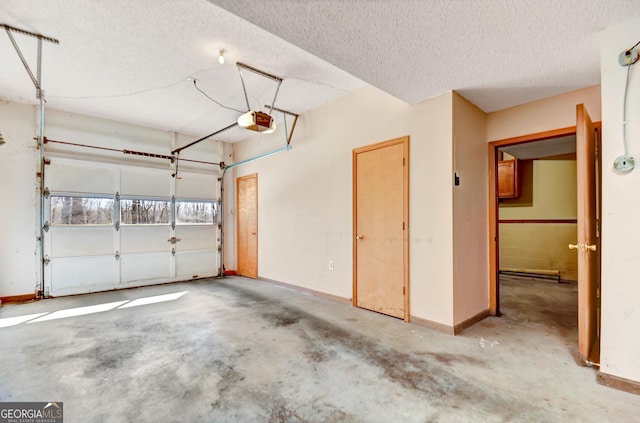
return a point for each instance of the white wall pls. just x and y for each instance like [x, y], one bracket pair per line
[620, 350]
[470, 213]
[305, 196]
[19, 249]
[431, 211]
[543, 115]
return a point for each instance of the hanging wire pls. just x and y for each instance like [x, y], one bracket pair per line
[119, 95]
[195, 84]
[132, 93]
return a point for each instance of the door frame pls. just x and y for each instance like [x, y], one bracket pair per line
[494, 259]
[405, 198]
[238, 180]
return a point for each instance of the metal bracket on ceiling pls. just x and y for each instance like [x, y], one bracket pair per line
[37, 80]
[279, 80]
[242, 66]
[295, 120]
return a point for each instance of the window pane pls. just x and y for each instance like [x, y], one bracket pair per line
[144, 212]
[195, 212]
[81, 211]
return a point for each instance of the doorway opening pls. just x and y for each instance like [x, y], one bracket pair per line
[537, 220]
[539, 240]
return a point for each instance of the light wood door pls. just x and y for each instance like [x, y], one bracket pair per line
[247, 225]
[588, 243]
[381, 228]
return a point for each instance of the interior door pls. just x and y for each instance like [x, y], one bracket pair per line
[380, 226]
[247, 225]
[588, 244]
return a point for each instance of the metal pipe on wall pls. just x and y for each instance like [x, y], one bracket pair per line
[231, 166]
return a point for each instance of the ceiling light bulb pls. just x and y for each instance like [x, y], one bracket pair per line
[221, 56]
[247, 120]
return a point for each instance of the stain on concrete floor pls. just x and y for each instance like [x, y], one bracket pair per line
[240, 350]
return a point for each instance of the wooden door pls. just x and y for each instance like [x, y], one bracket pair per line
[381, 204]
[588, 243]
[247, 225]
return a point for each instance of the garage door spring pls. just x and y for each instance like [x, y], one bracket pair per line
[130, 152]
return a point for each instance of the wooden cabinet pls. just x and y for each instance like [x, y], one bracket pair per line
[508, 179]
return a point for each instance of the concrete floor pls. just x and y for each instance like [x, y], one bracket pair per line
[238, 350]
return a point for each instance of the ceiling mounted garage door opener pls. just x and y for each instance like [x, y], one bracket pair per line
[256, 120]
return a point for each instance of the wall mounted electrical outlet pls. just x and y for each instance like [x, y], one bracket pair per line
[628, 57]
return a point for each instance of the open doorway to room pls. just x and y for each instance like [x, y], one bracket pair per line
[532, 222]
[537, 220]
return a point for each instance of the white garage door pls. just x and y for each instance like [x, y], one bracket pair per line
[117, 226]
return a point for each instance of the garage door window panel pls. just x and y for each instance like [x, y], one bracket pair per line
[196, 212]
[77, 210]
[145, 212]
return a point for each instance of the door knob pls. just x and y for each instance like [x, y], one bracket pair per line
[591, 247]
[359, 237]
[574, 246]
[253, 233]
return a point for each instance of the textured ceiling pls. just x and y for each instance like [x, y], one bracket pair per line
[541, 149]
[496, 53]
[130, 60]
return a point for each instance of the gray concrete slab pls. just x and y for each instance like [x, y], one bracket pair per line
[238, 350]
